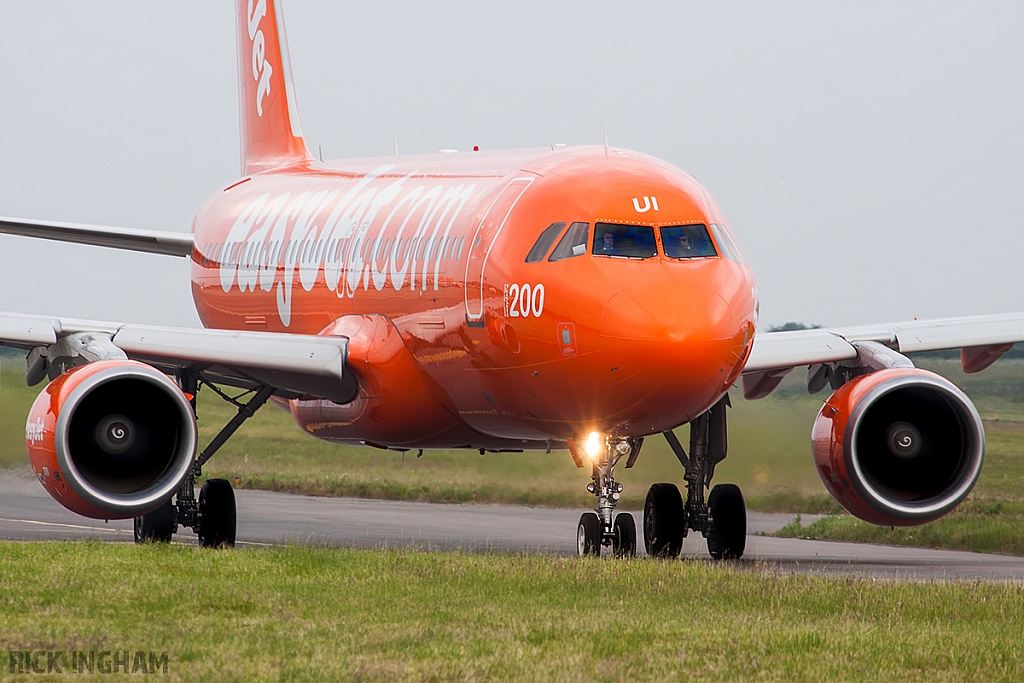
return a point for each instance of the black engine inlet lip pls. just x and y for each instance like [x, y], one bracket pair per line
[918, 512]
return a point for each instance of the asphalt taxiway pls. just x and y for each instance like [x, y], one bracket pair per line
[266, 518]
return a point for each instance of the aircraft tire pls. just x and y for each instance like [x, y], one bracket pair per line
[727, 537]
[624, 540]
[664, 521]
[157, 526]
[217, 514]
[588, 535]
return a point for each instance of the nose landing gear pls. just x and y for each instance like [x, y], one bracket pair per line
[722, 520]
[603, 527]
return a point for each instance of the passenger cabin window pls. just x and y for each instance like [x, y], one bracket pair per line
[687, 241]
[626, 241]
[544, 242]
[573, 243]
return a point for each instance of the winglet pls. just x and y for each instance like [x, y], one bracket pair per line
[271, 135]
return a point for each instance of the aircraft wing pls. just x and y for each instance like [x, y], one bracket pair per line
[981, 340]
[150, 241]
[294, 364]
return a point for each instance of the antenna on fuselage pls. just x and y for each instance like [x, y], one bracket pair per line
[394, 137]
[604, 127]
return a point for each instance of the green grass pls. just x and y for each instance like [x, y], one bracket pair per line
[301, 613]
[973, 526]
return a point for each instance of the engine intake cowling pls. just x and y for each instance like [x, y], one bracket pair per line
[898, 447]
[111, 439]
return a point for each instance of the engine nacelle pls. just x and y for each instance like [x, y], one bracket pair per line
[898, 447]
[111, 439]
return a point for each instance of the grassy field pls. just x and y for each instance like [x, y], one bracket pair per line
[316, 614]
[769, 457]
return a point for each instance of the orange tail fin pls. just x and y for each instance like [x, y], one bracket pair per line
[271, 135]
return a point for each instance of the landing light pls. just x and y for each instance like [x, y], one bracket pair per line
[593, 445]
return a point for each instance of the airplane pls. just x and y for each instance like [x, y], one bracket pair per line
[580, 298]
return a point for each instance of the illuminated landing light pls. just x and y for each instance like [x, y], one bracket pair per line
[593, 445]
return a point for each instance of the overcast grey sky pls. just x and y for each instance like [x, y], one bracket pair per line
[869, 155]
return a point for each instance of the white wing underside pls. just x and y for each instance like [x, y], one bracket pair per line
[149, 241]
[295, 364]
[982, 339]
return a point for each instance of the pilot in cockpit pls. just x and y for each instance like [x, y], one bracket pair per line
[608, 242]
[684, 250]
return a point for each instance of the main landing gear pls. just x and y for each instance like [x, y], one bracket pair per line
[212, 516]
[721, 519]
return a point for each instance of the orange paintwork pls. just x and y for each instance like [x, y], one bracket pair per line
[656, 341]
[420, 260]
[272, 137]
[41, 431]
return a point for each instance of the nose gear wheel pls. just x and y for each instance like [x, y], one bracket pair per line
[624, 535]
[603, 527]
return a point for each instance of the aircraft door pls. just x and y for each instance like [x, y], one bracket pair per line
[480, 246]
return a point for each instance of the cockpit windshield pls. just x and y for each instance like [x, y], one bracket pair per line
[627, 241]
[687, 241]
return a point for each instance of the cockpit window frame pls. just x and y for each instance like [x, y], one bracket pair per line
[598, 248]
[689, 227]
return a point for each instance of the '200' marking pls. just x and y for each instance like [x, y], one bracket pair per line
[525, 300]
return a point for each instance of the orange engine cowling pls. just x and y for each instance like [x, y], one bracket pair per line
[112, 439]
[898, 447]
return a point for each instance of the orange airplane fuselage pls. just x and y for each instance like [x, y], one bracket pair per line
[456, 340]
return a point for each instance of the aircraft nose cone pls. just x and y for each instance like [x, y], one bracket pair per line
[680, 351]
[666, 319]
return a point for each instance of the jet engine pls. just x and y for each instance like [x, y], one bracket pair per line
[112, 439]
[898, 447]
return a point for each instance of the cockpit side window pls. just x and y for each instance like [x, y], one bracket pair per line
[573, 243]
[628, 241]
[687, 241]
[544, 242]
[727, 244]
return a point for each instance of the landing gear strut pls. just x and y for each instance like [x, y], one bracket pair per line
[603, 527]
[722, 519]
[213, 515]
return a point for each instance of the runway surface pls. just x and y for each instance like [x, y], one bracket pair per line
[28, 513]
